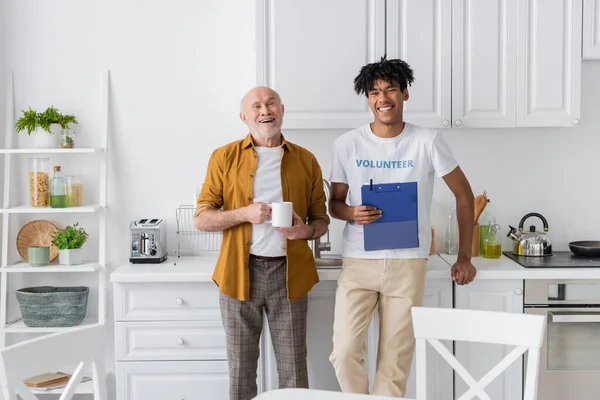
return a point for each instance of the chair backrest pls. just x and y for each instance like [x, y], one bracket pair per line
[526, 332]
[83, 347]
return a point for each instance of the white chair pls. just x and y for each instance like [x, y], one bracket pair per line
[526, 332]
[83, 347]
[312, 394]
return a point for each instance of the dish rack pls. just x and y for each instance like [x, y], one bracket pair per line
[191, 241]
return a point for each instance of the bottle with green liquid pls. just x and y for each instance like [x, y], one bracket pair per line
[58, 190]
[492, 246]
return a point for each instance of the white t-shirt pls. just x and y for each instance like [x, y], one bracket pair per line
[416, 155]
[266, 241]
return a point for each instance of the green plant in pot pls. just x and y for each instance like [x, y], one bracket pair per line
[44, 125]
[69, 241]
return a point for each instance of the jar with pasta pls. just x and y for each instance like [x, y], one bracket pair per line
[39, 182]
[74, 191]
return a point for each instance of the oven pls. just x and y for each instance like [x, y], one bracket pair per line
[570, 356]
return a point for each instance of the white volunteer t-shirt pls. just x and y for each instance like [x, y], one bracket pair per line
[266, 241]
[416, 155]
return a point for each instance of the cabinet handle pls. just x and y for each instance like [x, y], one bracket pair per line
[180, 341]
[179, 301]
[518, 291]
[576, 121]
[458, 122]
[446, 122]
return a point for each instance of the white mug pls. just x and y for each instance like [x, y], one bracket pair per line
[281, 214]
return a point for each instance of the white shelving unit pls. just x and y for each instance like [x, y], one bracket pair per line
[7, 268]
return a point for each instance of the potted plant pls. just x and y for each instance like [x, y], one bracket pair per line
[59, 123]
[44, 125]
[69, 241]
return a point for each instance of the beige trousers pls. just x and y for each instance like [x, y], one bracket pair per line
[393, 286]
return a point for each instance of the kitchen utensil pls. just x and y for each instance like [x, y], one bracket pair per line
[480, 203]
[148, 241]
[585, 248]
[532, 243]
[36, 233]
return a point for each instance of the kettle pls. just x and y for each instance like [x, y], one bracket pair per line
[532, 243]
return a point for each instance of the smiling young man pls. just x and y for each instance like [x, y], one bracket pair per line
[261, 268]
[388, 150]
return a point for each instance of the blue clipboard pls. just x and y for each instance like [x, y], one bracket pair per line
[398, 228]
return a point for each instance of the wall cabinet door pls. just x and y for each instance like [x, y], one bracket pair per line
[591, 29]
[549, 62]
[310, 51]
[420, 33]
[484, 63]
[479, 358]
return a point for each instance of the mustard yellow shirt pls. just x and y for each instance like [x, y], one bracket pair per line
[228, 184]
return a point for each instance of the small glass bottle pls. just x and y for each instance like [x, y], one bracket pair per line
[452, 228]
[492, 247]
[58, 190]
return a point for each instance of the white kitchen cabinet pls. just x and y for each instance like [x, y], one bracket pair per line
[479, 358]
[477, 64]
[319, 334]
[438, 293]
[591, 29]
[420, 33]
[310, 51]
[178, 380]
[321, 303]
[549, 62]
[484, 63]
[169, 341]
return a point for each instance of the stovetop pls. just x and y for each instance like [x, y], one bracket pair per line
[560, 259]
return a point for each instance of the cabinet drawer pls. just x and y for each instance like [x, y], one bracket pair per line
[170, 341]
[196, 301]
[182, 380]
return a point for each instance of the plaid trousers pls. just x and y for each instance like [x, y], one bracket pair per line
[243, 322]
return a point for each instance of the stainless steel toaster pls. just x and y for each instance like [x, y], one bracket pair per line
[148, 239]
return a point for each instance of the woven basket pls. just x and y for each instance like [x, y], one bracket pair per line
[49, 306]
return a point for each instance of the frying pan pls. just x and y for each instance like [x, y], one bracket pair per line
[585, 248]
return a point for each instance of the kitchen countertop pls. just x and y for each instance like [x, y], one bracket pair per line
[505, 268]
[200, 269]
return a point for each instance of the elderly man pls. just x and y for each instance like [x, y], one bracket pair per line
[261, 267]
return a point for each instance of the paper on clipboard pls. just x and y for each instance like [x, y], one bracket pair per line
[398, 228]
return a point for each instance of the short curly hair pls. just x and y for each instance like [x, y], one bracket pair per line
[388, 70]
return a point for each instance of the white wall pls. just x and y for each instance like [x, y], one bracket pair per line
[178, 70]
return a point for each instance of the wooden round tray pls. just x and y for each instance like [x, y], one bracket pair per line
[37, 233]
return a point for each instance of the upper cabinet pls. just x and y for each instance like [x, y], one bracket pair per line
[484, 61]
[591, 29]
[420, 33]
[310, 51]
[549, 62]
[477, 63]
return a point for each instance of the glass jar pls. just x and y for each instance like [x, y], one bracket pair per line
[67, 139]
[74, 191]
[492, 246]
[452, 228]
[58, 190]
[39, 182]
